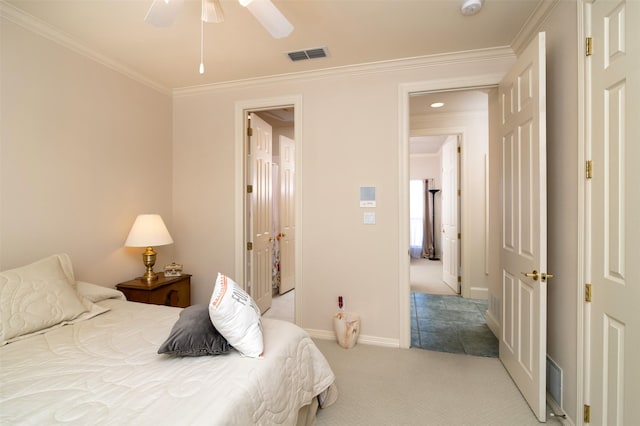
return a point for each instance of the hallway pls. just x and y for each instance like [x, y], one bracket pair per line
[451, 324]
[442, 320]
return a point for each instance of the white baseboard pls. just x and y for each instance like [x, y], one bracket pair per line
[362, 339]
[493, 325]
[481, 293]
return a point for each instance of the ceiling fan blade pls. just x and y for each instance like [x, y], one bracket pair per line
[162, 13]
[269, 16]
[212, 11]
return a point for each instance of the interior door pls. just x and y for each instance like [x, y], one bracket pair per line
[287, 214]
[613, 136]
[524, 224]
[261, 200]
[450, 242]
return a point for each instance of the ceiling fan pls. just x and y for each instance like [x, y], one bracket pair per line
[162, 13]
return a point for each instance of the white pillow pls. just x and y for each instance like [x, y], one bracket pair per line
[237, 317]
[38, 296]
[97, 293]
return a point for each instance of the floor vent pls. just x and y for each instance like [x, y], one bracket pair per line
[303, 55]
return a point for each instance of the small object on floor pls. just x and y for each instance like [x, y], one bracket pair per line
[347, 328]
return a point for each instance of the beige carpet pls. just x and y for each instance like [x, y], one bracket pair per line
[426, 277]
[385, 386]
[282, 307]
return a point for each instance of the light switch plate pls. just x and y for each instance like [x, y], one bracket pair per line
[369, 218]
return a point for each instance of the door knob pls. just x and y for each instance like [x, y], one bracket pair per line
[535, 275]
[544, 277]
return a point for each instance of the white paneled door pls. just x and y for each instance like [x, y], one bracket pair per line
[260, 197]
[613, 206]
[524, 224]
[287, 214]
[449, 195]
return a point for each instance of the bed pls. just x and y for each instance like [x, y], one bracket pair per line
[102, 367]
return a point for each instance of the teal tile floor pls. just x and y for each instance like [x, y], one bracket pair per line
[451, 324]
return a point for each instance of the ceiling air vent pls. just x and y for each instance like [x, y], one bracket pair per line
[302, 55]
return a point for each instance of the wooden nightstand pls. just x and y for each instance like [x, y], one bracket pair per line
[170, 291]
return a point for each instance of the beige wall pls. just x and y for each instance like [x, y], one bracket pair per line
[425, 166]
[350, 134]
[83, 151]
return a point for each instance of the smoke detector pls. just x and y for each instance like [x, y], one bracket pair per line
[471, 7]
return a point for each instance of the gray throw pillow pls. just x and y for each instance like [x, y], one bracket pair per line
[194, 335]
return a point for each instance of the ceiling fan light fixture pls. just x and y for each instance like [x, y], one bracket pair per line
[162, 13]
[212, 11]
[269, 16]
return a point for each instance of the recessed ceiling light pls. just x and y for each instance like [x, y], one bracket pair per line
[437, 105]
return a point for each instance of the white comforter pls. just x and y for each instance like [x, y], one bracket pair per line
[106, 371]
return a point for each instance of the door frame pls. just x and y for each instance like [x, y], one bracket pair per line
[405, 90]
[241, 110]
[582, 364]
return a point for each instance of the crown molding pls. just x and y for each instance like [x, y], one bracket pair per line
[530, 28]
[491, 54]
[43, 29]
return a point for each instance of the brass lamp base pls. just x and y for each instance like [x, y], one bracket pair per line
[149, 259]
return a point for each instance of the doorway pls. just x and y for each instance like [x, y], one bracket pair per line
[434, 208]
[443, 316]
[278, 259]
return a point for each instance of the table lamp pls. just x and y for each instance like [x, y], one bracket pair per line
[148, 230]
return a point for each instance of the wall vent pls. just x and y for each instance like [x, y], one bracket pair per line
[554, 380]
[303, 55]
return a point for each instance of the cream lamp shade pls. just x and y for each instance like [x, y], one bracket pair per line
[148, 230]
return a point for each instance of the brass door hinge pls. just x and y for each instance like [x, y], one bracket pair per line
[459, 192]
[587, 293]
[589, 46]
[249, 246]
[589, 169]
[249, 189]
[249, 131]
[587, 413]
[458, 150]
[459, 235]
[459, 279]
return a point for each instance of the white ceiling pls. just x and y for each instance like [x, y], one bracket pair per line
[352, 31]
[455, 102]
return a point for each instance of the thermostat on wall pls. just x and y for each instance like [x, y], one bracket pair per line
[367, 196]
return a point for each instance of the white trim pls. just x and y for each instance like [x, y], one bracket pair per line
[531, 28]
[241, 107]
[472, 56]
[453, 115]
[493, 324]
[478, 293]
[43, 29]
[425, 155]
[362, 339]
